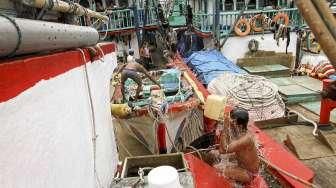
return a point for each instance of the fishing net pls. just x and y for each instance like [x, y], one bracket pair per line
[256, 94]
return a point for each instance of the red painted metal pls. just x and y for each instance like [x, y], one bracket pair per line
[206, 176]
[202, 34]
[273, 151]
[18, 75]
[279, 156]
[327, 105]
[161, 137]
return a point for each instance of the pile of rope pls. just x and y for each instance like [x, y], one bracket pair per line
[254, 93]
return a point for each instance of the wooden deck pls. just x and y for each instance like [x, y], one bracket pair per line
[317, 156]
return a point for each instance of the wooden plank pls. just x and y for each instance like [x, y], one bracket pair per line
[282, 81]
[274, 70]
[308, 82]
[324, 169]
[308, 147]
[277, 122]
[296, 90]
[283, 59]
[304, 81]
[328, 138]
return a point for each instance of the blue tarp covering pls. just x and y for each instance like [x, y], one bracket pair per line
[209, 64]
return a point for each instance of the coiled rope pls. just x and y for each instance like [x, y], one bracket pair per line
[254, 93]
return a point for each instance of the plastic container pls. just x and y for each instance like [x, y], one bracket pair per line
[215, 106]
[163, 177]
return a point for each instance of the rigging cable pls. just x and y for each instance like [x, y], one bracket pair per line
[94, 133]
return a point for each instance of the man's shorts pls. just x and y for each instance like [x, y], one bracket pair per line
[132, 74]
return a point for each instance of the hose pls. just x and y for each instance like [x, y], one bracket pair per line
[307, 120]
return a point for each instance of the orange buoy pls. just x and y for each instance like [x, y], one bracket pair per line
[281, 16]
[258, 18]
[239, 27]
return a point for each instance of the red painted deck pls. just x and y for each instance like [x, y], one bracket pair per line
[206, 176]
[273, 151]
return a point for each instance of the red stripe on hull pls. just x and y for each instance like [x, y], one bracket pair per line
[19, 75]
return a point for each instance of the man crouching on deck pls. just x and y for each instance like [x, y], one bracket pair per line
[244, 149]
[131, 70]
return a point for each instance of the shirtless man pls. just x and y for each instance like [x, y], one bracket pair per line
[244, 149]
[146, 55]
[131, 70]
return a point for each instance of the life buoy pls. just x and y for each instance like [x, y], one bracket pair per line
[281, 16]
[238, 27]
[258, 18]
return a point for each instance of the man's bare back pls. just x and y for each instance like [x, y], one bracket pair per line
[242, 146]
[130, 70]
[246, 156]
[246, 152]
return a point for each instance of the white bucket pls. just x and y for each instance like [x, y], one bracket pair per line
[163, 177]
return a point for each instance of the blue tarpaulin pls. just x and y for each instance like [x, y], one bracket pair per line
[209, 64]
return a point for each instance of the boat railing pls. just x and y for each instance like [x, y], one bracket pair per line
[125, 19]
[205, 22]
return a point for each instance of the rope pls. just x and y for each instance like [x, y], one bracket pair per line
[308, 120]
[214, 147]
[195, 151]
[94, 133]
[73, 7]
[287, 173]
[47, 6]
[253, 93]
[19, 33]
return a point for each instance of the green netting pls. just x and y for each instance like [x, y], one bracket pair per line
[170, 82]
[177, 17]
[177, 21]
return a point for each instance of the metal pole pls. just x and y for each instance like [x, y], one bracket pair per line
[136, 22]
[216, 20]
[24, 36]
